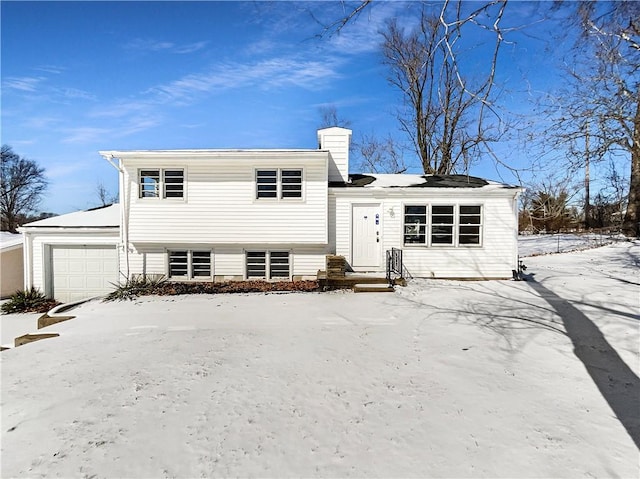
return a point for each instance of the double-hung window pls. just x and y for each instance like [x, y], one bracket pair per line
[161, 183]
[469, 225]
[186, 264]
[442, 225]
[415, 225]
[279, 183]
[268, 264]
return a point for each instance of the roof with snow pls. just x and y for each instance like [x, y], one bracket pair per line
[374, 180]
[9, 240]
[101, 217]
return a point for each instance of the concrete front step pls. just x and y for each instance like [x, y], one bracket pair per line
[370, 288]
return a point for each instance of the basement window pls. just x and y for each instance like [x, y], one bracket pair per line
[275, 263]
[188, 264]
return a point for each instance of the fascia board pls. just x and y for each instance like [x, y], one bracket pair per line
[250, 155]
[101, 230]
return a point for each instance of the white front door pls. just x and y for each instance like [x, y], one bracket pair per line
[366, 236]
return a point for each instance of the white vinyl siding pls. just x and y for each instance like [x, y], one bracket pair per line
[230, 261]
[494, 257]
[220, 205]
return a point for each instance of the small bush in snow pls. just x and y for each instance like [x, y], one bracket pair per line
[136, 286]
[28, 301]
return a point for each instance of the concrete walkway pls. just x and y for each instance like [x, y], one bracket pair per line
[14, 325]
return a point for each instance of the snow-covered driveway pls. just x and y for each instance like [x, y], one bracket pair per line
[442, 378]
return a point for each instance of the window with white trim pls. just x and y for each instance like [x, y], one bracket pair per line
[469, 224]
[442, 224]
[187, 264]
[149, 183]
[275, 263]
[279, 183]
[415, 224]
[168, 182]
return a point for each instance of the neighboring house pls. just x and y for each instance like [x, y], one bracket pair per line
[214, 215]
[11, 264]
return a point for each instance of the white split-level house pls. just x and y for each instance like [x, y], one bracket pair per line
[274, 214]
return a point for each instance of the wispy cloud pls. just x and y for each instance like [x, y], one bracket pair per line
[148, 45]
[266, 74]
[77, 94]
[29, 84]
[92, 134]
[40, 122]
[50, 69]
[85, 134]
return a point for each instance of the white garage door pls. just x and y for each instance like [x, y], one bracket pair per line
[83, 271]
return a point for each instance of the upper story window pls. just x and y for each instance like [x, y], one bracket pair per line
[166, 182]
[279, 183]
[447, 225]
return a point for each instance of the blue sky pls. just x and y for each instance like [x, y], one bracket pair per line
[78, 77]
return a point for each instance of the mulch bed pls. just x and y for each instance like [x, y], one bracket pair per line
[174, 288]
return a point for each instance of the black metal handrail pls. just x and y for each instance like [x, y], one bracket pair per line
[394, 264]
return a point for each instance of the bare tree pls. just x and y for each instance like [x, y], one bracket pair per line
[379, 156]
[546, 205]
[21, 187]
[105, 197]
[445, 114]
[329, 117]
[598, 114]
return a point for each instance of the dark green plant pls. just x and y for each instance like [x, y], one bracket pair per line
[136, 286]
[28, 301]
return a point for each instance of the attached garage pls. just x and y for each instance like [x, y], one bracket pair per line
[75, 256]
[82, 271]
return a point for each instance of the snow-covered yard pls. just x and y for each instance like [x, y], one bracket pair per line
[440, 379]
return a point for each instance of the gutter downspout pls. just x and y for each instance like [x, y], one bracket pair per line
[517, 228]
[27, 244]
[124, 209]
